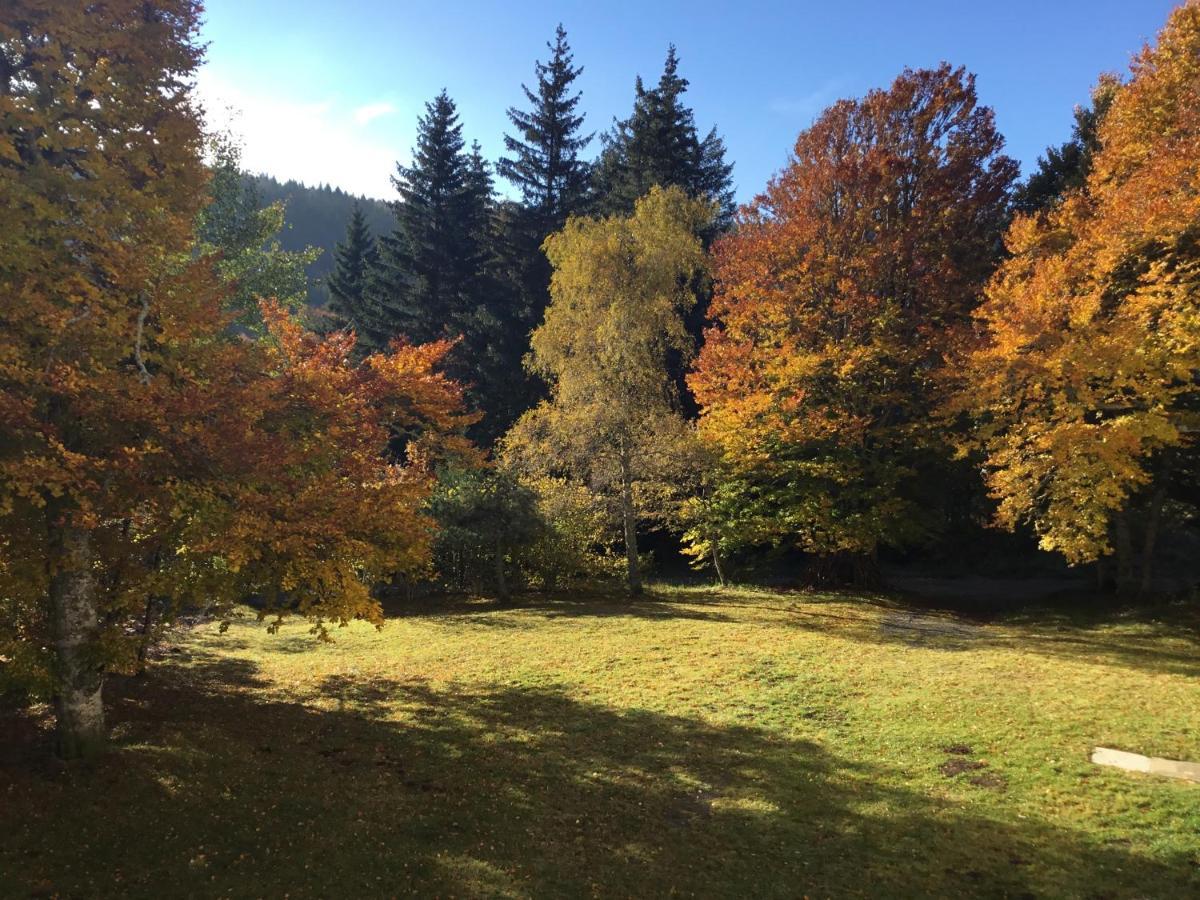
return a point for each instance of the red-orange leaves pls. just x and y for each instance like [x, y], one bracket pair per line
[317, 467]
[839, 296]
[151, 457]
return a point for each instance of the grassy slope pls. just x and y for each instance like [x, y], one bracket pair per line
[746, 743]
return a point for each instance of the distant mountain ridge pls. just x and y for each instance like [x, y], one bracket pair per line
[317, 217]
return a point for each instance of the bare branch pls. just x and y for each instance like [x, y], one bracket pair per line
[137, 344]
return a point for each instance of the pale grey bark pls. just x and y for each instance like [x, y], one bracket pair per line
[716, 559]
[76, 629]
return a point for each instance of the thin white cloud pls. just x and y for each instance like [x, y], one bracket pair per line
[810, 105]
[364, 115]
[316, 142]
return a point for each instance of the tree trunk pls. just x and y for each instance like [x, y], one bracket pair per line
[1124, 555]
[501, 582]
[716, 560]
[630, 520]
[1149, 539]
[144, 637]
[76, 628]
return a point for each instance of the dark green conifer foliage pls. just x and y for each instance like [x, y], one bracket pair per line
[427, 265]
[1066, 167]
[491, 321]
[437, 275]
[543, 159]
[349, 306]
[543, 162]
[659, 145]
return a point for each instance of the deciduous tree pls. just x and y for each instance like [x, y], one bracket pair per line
[620, 289]
[1086, 388]
[145, 448]
[243, 235]
[839, 297]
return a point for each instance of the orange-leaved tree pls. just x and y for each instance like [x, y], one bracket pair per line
[839, 297]
[1086, 386]
[145, 448]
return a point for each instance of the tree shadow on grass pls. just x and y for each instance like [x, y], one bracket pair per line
[559, 605]
[399, 787]
[1162, 640]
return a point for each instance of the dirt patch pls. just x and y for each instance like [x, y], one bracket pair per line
[989, 780]
[959, 764]
[952, 767]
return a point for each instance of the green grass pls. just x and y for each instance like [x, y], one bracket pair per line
[737, 744]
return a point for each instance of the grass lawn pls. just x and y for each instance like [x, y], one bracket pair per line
[735, 744]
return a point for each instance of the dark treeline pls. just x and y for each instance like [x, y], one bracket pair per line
[317, 216]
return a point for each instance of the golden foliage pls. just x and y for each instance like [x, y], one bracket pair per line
[1087, 380]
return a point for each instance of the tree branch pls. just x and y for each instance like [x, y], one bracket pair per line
[137, 344]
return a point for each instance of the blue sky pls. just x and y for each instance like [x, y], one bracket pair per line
[330, 92]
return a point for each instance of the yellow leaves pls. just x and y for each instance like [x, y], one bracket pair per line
[1094, 323]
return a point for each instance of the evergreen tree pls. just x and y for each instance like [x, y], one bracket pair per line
[493, 331]
[437, 275]
[349, 304]
[659, 145]
[543, 160]
[1066, 167]
[429, 261]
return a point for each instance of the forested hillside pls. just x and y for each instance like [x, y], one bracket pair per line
[317, 217]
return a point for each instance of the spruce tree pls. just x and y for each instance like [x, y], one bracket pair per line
[659, 145]
[354, 260]
[543, 159]
[492, 329]
[431, 255]
[437, 275]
